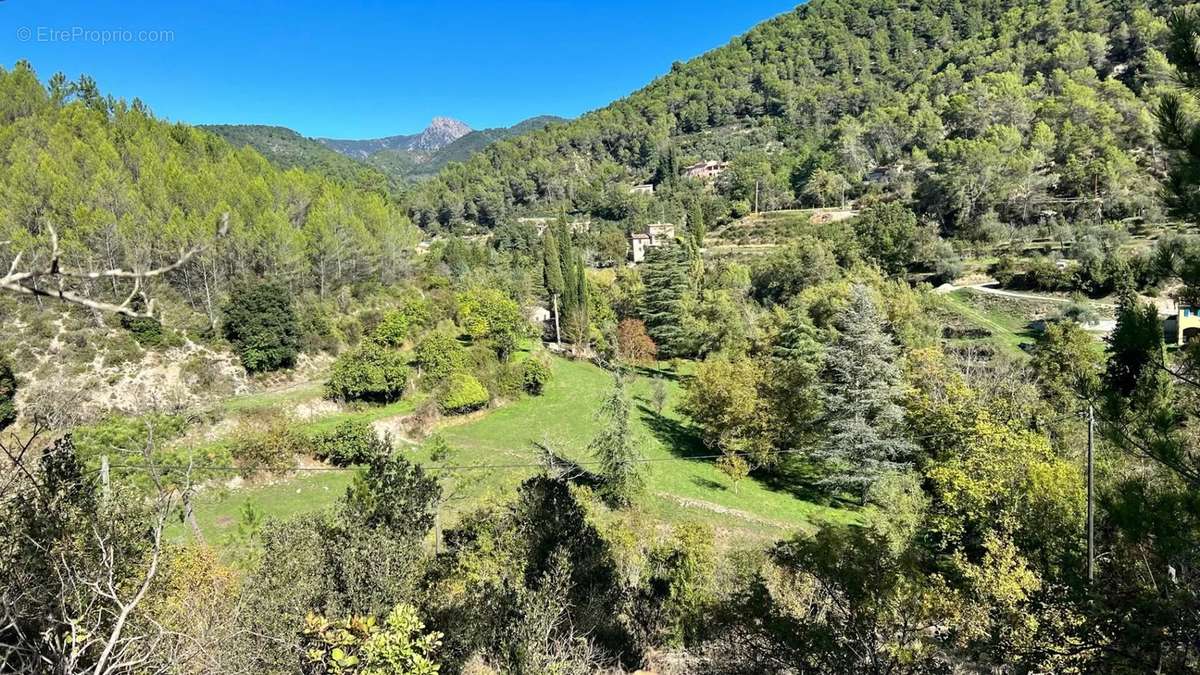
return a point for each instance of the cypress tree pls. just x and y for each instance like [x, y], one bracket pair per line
[665, 275]
[551, 265]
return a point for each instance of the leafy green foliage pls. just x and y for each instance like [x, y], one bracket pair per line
[462, 393]
[668, 289]
[349, 443]
[488, 314]
[862, 394]
[165, 185]
[360, 646]
[439, 355]
[149, 332]
[370, 372]
[888, 236]
[260, 323]
[535, 374]
[395, 493]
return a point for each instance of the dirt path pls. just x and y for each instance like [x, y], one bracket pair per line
[991, 290]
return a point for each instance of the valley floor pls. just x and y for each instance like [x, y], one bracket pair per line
[496, 449]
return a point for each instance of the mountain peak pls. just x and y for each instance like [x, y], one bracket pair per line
[442, 131]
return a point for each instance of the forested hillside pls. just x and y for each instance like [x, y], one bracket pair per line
[981, 115]
[289, 150]
[893, 437]
[125, 190]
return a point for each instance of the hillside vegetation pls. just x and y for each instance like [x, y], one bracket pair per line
[982, 116]
[782, 442]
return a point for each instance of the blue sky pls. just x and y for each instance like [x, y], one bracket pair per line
[367, 69]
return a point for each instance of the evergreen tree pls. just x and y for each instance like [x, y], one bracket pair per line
[695, 225]
[8, 394]
[1178, 131]
[552, 265]
[614, 447]
[261, 324]
[665, 275]
[862, 387]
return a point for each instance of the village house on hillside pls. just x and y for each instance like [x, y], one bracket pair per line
[656, 234]
[706, 170]
[642, 189]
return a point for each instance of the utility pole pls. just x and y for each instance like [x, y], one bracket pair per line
[557, 331]
[104, 476]
[1091, 532]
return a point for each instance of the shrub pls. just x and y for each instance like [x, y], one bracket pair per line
[351, 442]
[261, 325]
[148, 332]
[633, 344]
[463, 393]
[392, 329]
[316, 330]
[488, 314]
[8, 394]
[368, 373]
[535, 373]
[440, 355]
[398, 324]
[267, 441]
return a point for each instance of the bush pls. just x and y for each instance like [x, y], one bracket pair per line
[369, 373]
[633, 344]
[439, 356]
[463, 393]
[351, 442]
[392, 330]
[316, 330]
[148, 332]
[8, 394]
[535, 373]
[267, 441]
[261, 325]
[398, 324]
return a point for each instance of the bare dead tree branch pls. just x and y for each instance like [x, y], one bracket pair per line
[27, 281]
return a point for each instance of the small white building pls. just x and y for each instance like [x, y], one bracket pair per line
[642, 189]
[656, 234]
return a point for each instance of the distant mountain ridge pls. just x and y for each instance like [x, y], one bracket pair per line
[442, 131]
[395, 158]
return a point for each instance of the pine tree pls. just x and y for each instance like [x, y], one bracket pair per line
[665, 275]
[614, 448]
[862, 386]
[1178, 131]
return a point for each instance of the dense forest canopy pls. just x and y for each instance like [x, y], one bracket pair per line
[125, 190]
[978, 114]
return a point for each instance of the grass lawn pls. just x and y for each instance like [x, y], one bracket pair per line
[680, 486]
[1009, 330]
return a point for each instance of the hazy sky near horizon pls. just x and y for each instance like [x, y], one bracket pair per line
[369, 69]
